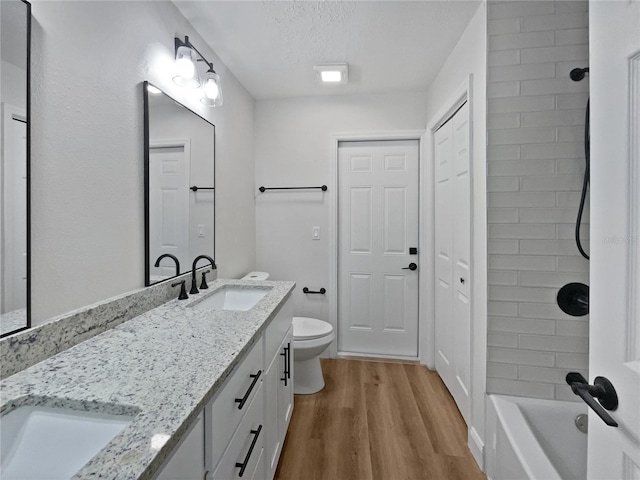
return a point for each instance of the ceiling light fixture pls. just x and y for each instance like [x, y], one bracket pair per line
[187, 58]
[332, 74]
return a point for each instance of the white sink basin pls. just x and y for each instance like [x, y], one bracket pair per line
[232, 298]
[53, 443]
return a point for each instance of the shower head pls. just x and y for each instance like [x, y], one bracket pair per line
[578, 74]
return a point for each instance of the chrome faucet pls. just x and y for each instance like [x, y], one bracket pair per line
[194, 287]
[173, 257]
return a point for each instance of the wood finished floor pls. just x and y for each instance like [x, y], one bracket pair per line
[377, 421]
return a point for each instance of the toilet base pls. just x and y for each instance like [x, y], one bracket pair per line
[308, 377]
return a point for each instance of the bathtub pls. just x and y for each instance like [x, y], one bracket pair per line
[532, 439]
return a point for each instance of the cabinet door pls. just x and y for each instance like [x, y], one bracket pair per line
[186, 462]
[271, 443]
[278, 402]
[285, 390]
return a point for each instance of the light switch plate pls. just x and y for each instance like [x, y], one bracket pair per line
[315, 233]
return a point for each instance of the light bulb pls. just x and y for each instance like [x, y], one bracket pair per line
[185, 68]
[212, 90]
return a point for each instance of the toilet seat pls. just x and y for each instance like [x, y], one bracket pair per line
[305, 328]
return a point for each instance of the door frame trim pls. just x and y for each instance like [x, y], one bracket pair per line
[335, 139]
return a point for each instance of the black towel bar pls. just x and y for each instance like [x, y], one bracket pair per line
[323, 188]
[322, 291]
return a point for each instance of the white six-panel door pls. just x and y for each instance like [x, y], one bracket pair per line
[378, 223]
[614, 327]
[452, 257]
[169, 195]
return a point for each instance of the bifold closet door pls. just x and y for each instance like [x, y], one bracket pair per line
[452, 255]
[378, 224]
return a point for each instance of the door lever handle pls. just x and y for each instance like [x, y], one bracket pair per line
[602, 390]
[412, 266]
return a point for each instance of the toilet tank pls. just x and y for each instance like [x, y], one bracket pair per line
[256, 276]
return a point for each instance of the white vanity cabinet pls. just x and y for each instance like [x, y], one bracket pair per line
[241, 431]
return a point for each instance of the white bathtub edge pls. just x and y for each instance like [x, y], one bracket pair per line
[508, 405]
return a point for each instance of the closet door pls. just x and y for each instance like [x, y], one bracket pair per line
[453, 246]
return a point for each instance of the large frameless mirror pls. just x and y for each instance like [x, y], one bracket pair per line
[179, 185]
[15, 33]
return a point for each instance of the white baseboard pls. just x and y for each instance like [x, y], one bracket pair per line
[369, 356]
[476, 445]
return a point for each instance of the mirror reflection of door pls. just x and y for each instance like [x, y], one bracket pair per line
[14, 31]
[169, 167]
[180, 168]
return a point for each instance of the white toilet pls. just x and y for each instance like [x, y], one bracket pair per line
[311, 337]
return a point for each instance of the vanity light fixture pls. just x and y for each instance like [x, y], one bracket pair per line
[187, 58]
[332, 74]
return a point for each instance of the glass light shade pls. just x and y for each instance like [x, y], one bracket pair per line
[186, 72]
[212, 90]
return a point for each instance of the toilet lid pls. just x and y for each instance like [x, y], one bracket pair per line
[305, 328]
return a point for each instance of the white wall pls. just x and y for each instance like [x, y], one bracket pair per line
[470, 57]
[88, 62]
[535, 173]
[293, 148]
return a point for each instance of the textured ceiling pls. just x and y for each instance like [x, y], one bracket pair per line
[272, 46]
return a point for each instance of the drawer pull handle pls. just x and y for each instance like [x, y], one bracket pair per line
[242, 466]
[243, 400]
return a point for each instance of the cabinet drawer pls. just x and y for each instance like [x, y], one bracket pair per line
[246, 445]
[236, 395]
[276, 331]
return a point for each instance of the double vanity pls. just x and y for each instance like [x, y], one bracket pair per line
[191, 389]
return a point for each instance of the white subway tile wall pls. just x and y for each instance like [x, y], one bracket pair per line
[536, 164]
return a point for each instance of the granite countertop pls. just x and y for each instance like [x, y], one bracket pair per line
[13, 320]
[163, 366]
